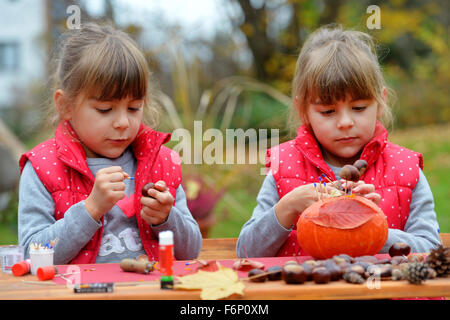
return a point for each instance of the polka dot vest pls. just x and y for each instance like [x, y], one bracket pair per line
[61, 165]
[392, 169]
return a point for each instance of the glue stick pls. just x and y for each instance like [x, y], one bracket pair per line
[166, 259]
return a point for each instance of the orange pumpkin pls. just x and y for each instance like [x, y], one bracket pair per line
[349, 225]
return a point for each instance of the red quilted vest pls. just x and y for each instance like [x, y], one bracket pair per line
[61, 165]
[392, 169]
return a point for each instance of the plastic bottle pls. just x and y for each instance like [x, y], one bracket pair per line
[166, 259]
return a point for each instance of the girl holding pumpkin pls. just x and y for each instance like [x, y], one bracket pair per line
[341, 98]
[76, 186]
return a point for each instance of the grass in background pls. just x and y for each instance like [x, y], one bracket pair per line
[434, 144]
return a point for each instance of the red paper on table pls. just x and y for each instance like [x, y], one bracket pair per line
[111, 272]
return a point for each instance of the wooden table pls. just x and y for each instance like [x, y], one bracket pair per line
[15, 288]
[25, 287]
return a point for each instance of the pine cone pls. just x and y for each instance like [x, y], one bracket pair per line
[416, 272]
[439, 260]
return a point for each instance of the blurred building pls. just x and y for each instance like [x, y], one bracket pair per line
[23, 51]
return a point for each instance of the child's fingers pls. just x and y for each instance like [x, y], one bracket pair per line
[160, 186]
[115, 173]
[363, 188]
[157, 199]
[116, 177]
[153, 216]
[111, 169]
[374, 197]
[117, 186]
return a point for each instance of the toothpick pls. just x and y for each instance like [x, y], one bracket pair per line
[329, 180]
[245, 251]
[317, 191]
[127, 176]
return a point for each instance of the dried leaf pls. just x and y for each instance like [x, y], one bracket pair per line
[214, 285]
[212, 265]
[343, 214]
[247, 264]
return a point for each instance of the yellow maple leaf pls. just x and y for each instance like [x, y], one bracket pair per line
[214, 285]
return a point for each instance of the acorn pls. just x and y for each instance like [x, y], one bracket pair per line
[294, 274]
[257, 275]
[349, 172]
[275, 273]
[399, 249]
[147, 187]
[361, 165]
[321, 275]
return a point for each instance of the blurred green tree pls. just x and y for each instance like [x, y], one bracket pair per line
[412, 45]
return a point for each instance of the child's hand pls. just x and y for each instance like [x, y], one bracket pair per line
[296, 201]
[156, 207]
[365, 190]
[108, 189]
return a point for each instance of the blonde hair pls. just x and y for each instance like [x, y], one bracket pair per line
[334, 63]
[105, 63]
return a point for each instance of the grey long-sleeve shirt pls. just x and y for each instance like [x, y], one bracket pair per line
[120, 239]
[263, 235]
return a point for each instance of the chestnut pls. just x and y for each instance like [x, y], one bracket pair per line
[358, 268]
[334, 269]
[308, 270]
[399, 249]
[361, 165]
[321, 275]
[257, 275]
[366, 259]
[343, 265]
[274, 273]
[346, 257]
[397, 274]
[415, 258]
[396, 260]
[379, 270]
[362, 264]
[312, 263]
[383, 261]
[147, 187]
[353, 277]
[294, 274]
[349, 172]
[291, 262]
